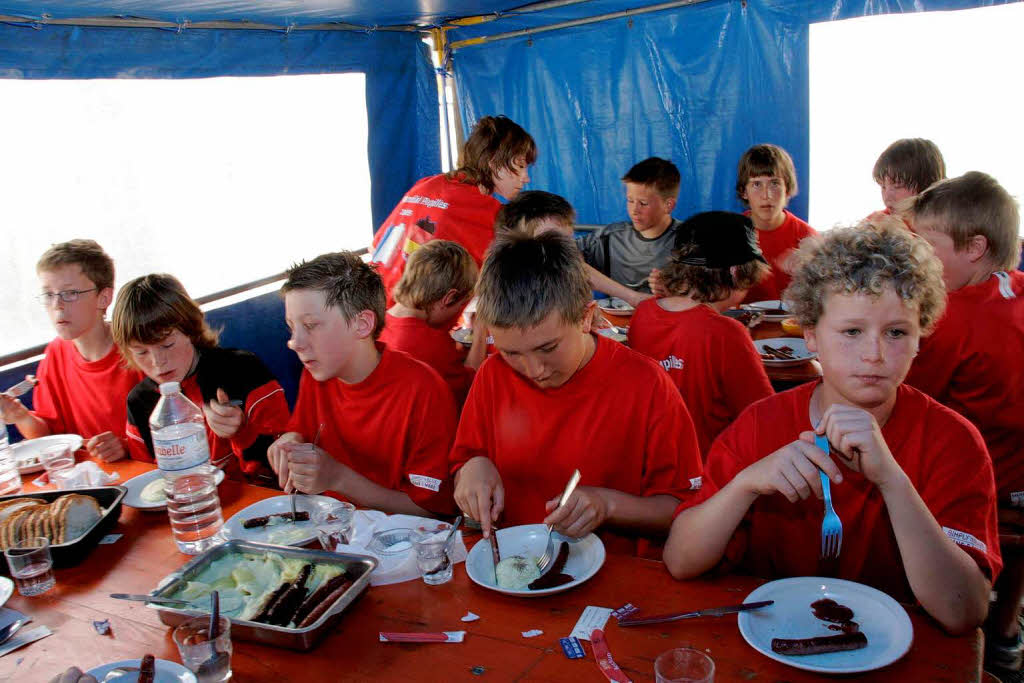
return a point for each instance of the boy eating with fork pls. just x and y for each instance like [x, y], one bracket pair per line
[910, 479]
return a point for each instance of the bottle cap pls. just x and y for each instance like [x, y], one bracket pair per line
[169, 388]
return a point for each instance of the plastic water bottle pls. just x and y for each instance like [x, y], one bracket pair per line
[183, 456]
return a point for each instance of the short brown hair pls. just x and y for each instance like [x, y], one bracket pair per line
[495, 143]
[708, 285]
[974, 204]
[525, 278]
[530, 208]
[150, 307]
[864, 260]
[914, 163]
[770, 160]
[86, 254]
[661, 174]
[345, 281]
[432, 271]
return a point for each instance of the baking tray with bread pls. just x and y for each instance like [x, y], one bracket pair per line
[73, 520]
[283, 596]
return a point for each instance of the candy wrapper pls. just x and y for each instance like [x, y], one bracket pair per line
[442, 637]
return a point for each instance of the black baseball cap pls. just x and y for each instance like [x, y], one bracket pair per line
[717, 239]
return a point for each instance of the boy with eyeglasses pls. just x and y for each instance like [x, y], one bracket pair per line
[82, 382]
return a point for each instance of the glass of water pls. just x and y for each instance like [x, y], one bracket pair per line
[57, 458]
[432, 557]
[31, 565]
[684, 665]
[10, 478]
[208, 658]
[334, 524]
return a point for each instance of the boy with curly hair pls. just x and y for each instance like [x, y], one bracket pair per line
[920, 520]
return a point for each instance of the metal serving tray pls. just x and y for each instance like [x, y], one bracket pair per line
[302, 639]
[71, 553]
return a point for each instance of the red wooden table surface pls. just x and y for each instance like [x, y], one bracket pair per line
[494, 649]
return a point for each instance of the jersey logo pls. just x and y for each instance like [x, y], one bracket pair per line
[671, 363]
[696, 483]
[1005, 285]
[423, 482]
[964, 538]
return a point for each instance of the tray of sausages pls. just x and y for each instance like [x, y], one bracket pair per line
[278, 595]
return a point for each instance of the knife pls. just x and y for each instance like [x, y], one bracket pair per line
[713, 612]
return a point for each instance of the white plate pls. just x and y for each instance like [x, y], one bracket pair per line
[769, 305]
[613, 333]
[27, 452]
[615, 306]
[464, 335]
[881, 619]
[265, 534]
[6, 589]
[166, 672]
[800, 352]
[586, 556]
[135, 485]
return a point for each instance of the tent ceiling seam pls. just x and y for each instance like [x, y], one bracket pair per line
[138, 22]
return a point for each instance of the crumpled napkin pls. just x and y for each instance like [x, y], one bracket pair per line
[393, 568]
[84, 475]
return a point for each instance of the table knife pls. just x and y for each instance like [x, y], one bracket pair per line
[712, 612]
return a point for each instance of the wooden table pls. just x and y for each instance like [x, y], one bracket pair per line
[494, 649]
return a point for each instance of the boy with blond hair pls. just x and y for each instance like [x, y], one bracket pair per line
[434, 289]
[559, 398]
[765, 182]
[923, 518]
[82, 381]
[968, 363]
[371, 424]
[710, 357]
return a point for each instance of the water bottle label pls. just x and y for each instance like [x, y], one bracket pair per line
[181, 453]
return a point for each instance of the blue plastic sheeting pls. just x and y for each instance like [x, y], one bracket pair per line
[401, 96]
[697, 85]
[298, 12]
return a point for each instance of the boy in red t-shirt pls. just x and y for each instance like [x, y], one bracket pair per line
[83, 382]
[905, 168]
[437, 284]
[910, 479]
[559, 398]
[970, 362]
[765, 182]
[371, 424]
[710, 357]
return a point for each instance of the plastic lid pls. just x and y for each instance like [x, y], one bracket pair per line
[170, 388]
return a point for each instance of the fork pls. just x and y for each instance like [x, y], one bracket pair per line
[831, 526]
[549, 547]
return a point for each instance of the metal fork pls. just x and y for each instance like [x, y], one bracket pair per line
[549, 547]
[831, 526]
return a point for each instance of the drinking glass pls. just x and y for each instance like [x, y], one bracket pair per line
[209, 660]
[432, 557]
[56, 458]
[334, 524]
[684, 665]
[31, 565]
[10, 478]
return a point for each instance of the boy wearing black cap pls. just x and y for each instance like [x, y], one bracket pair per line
[708, 356]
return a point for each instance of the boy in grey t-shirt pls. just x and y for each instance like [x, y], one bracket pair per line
[628, 251]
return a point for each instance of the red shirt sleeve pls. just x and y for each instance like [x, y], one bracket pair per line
[266, 414]
[44, 399]
[425, 478]
[473, 437]
[672, 462]
[136, 446]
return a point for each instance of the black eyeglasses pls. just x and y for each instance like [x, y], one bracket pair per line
[67, 296]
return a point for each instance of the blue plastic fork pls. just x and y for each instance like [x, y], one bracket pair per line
[831, 526]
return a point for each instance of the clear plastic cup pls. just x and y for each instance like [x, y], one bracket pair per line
[432, 558]
[31, 565]
[684, 665]
[334, 524]
[209, 660]
[10, 477]
[56, 458]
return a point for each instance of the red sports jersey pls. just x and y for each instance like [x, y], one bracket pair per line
[941, 452]
[433, 346]
[777, 245]
[708, 356]
[618, 419]
[971, 362]
[434, 208]
[394, 428]
[76, 396]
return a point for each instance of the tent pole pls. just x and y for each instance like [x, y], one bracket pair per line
[129, 22]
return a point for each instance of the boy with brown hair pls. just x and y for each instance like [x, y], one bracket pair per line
[437, 284]
[709, 357]
[629, 252]
[907, 167]
[559, 398]
[910, 478]
[371, 424]
[970, 363]
[765, 182]
[82, 381]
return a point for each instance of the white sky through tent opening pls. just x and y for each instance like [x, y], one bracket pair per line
[950, 77]
[217, 181]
